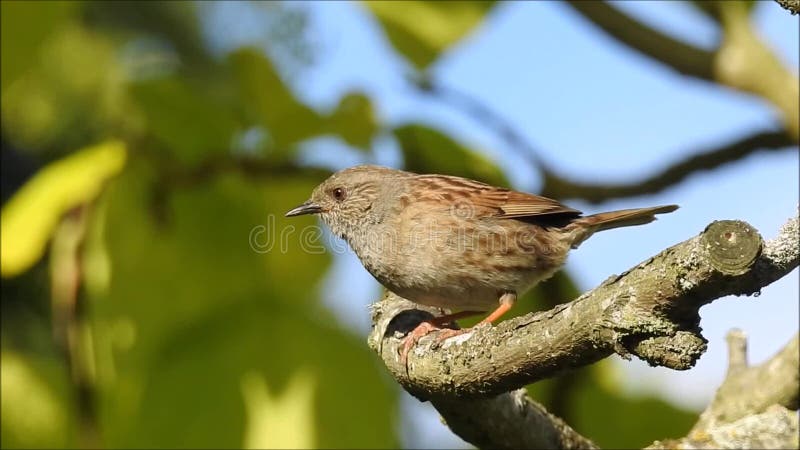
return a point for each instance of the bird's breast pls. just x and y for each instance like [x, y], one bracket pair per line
[452, 263]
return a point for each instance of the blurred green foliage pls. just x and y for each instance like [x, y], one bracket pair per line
[187, 335]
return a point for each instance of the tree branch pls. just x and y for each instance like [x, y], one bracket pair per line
[743, 61]
[751, 390]
[650, 311]
[511, 420]
[686, 59]
[793, 6]
[753, 406]
[559, 187]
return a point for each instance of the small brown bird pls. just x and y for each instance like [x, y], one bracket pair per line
[451, 242]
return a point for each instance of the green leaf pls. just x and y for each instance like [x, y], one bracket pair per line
[30, 216]
[73, 92]
[25, 25]
[427, 150]
[268, 101]
[188, 121]
[354, 120]
[206, 311]
[421, 30]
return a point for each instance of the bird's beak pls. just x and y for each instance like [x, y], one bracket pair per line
[305, 208]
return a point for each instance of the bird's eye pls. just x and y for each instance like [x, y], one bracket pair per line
[339, 194]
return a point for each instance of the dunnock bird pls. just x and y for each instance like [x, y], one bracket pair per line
[451, 242]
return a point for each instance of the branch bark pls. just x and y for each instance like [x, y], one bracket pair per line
[511, 420]
[776, 382]
[650, 311]
[754, 407]
[793, 6]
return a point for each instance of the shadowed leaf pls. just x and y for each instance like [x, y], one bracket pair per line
[427, 150]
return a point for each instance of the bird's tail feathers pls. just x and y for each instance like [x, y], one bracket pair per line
[581, 228]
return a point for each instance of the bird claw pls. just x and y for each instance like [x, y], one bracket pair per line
[447, 334]
[423, 329]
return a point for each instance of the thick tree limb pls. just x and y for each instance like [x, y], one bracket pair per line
[558, 187]
[511, 420]
[651, 311]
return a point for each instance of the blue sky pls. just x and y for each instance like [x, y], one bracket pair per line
[595, 110]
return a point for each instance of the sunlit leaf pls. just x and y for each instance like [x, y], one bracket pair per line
[427, 150]
[279, 420]
[30, 216]
[35, 409]
[421, 30]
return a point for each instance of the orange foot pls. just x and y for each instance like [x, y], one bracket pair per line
[426, 327]
[506, 302]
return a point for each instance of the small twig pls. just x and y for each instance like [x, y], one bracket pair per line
[685, 58]
[483, 114]
[737, 350]
[562, 188]
[70, 318]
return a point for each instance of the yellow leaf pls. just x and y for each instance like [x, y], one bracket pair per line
[279, 421]
[29, 217]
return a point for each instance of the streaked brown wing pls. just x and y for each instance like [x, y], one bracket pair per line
[513, 204]
[488, 200]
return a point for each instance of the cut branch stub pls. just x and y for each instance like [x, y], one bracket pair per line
[733, 246]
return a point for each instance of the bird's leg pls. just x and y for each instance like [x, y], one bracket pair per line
[428, 326]
[507, 300]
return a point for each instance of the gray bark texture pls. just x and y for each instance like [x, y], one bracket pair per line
[650, 311]
[793, 6]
